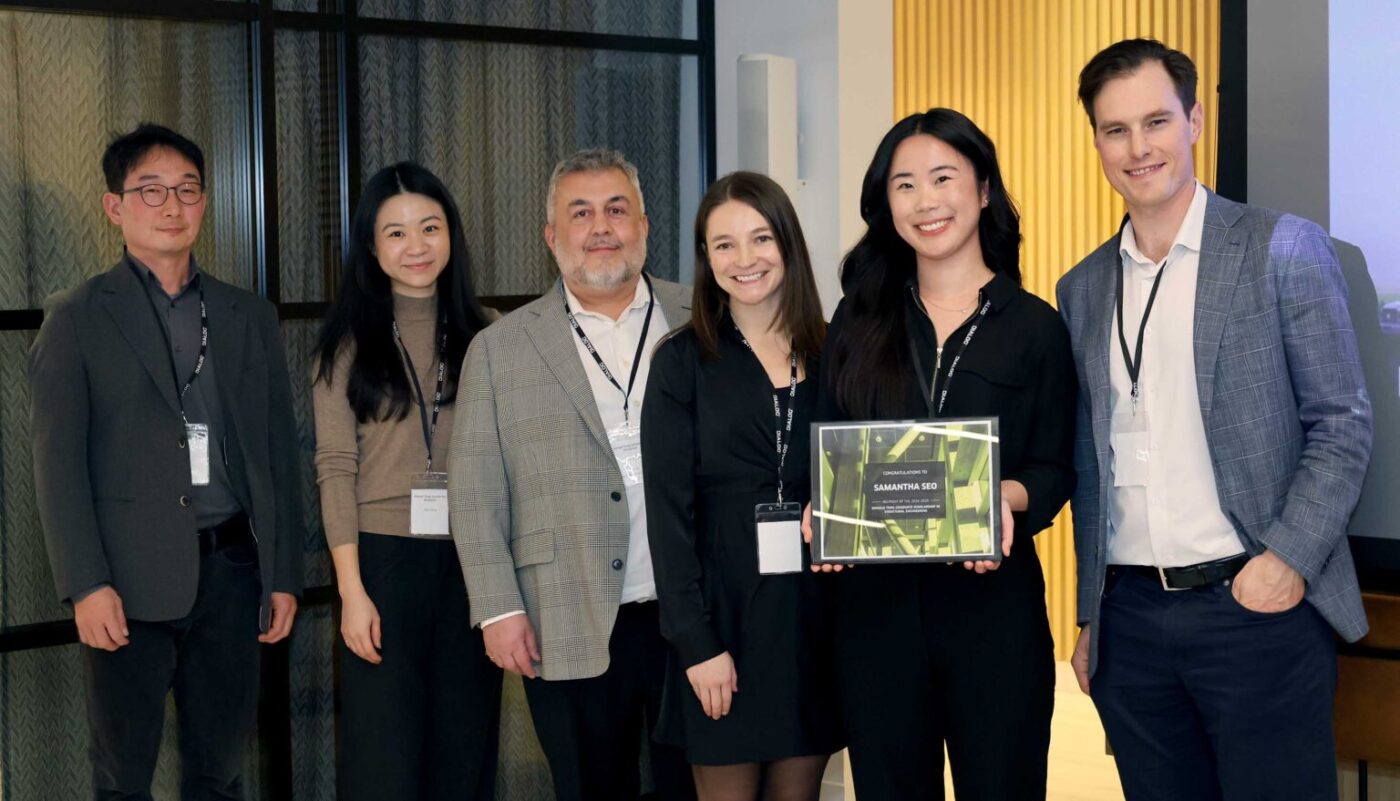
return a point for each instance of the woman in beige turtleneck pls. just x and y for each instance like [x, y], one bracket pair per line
[419, 700]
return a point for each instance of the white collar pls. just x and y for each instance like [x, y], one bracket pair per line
[1188, 236]
[640, 297]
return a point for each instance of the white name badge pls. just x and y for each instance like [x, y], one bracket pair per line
[1132, 456]
[197, 440]
[427, 515]
[779, 528]
[626, 442]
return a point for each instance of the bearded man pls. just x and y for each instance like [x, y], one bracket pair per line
[545, 490]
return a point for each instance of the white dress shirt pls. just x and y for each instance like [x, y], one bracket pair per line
[1163, 506]
[616, 343]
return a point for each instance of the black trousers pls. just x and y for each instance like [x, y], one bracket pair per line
[210, 659]
[1204, 699]
[591, 729]
[933, 654]
[422, 724]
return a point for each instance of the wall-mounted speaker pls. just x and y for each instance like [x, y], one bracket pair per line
[768, 118]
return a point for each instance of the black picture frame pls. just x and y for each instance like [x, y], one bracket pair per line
[946, 470]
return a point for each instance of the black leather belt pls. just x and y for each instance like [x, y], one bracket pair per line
[231, 532]
[1191, 576]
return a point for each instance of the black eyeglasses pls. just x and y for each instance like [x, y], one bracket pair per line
[188, 193]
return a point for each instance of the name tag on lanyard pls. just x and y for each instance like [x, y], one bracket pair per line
[1131, 449]
[626, 443]
[428, 510]
[626, 438]
[196, 434]
[779, 527]
[427, 513]
[197, 441]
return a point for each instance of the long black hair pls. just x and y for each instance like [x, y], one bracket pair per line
[870, 359]
[363, 312]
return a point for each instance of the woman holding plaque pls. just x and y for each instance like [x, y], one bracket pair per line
[750, 694]
[934, 324]
[419, 700]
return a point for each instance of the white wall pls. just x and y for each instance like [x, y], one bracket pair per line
[845, 101]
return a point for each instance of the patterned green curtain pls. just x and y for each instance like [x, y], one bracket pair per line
[67, 83]
[491, 119]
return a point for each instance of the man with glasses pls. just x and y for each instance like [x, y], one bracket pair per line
[165, 463]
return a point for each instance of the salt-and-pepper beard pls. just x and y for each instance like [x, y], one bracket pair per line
[613, 278]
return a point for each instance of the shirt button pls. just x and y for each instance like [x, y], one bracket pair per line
[617, 564]
[180, 442]
[617, 496]
[185, 501]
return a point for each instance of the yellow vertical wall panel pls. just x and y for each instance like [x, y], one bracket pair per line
[1013, 67]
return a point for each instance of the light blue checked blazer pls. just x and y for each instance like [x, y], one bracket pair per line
[1286, 413]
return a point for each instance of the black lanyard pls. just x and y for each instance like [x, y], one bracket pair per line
[1133, 361]
[170, 347]
[636, 359]
[926, 388]
[428, 427]
[781, 435]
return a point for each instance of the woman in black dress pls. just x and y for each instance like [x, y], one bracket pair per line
[724, 430]
[934, 655]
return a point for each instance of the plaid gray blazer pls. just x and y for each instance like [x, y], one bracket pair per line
[1286, 413]
[538, 508]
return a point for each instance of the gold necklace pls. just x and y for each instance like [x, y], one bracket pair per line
[963, 310]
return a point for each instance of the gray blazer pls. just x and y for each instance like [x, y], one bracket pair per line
[538, 507]
[1286, 413]
[110, 468]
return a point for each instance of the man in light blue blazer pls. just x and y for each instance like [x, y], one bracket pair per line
[1224, 431]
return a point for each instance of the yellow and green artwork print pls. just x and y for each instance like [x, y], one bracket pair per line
[924, 490]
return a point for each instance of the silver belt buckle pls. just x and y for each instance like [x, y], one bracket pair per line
[1162, 574]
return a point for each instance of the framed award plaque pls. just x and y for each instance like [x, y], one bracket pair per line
[906, 491]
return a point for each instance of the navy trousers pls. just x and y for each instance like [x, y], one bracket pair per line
[1204, 699]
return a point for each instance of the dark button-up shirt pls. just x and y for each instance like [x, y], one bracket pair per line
[180, 319]
[1017, 367]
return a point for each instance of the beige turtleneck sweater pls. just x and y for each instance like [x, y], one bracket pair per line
[365, 470]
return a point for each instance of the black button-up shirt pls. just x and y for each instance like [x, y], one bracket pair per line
[1018, 367]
